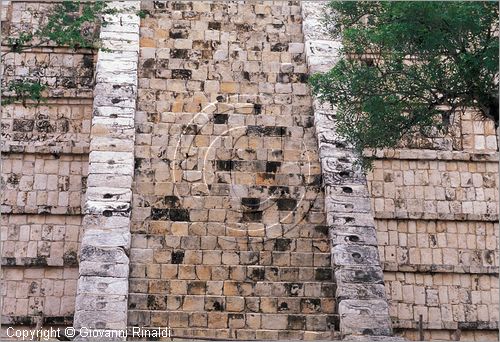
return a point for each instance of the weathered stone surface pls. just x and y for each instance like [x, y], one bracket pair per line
[96, 285]
[105, 254]
[104, 269]
[377, 325]
[345, 255]
[99, 319]
[101, 303]
[360, 293]
[359, 275]
[364, 235]
[107, 238]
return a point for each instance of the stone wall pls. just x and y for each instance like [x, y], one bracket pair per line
[44, 173]
[228, 235]
[199, 186]
[437, 225]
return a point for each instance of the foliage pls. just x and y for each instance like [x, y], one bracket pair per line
[404, 65]
[72, 24]
[23, 90]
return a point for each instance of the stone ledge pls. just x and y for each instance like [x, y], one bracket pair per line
[435, 216]
[33, 320]
[450, 325]
[423, 268]
[8, 147]
[39, 261]
[421, 154]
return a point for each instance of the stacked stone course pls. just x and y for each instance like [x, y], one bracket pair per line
[102, 292]
[44, 173]
[436, 211]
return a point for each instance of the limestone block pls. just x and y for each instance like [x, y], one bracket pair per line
[116, 66]
[119, 45]
[107, 208]
[119, 101]
[354, 274]
[101, 303]
[107, 194]
[129, 78]
[363, 307]
[109, 168]
[98, 221]
[115, 35]
[346, 255]
[351, 190]
[102, 269]
[111, 157]
[95, 285]
[113, 123]
[360, 291]
[111, 144]
[103, 254]
[105, 180]
[100, 319]
[347, 204]
[106, 238]
[379, 325]
[353, 235]
[323, 48]
[350, 219]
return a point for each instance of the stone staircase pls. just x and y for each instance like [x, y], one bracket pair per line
[236, 247]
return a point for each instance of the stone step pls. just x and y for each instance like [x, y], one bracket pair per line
[210, 303]
[232, 272]
[233, 288]
[185, 334]
[222, 320]
[233, 258]
[219, 232]
[179, 236]
[208, 236]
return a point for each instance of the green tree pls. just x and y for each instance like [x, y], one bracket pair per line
[406, 65]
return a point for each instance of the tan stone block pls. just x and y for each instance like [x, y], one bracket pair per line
[178, 287]
[203, 272]
[187, 272]
[236, 321]
[274, 322]
[179, 228]
[268, 305]
[214, 287]
[217, 320]
[235, 304]
[217, 215]
[198, 319]
[193, 303]
[212, 257]
[229, 87]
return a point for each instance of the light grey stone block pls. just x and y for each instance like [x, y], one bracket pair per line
[345, 255]
[103, 254]
[366, 236]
